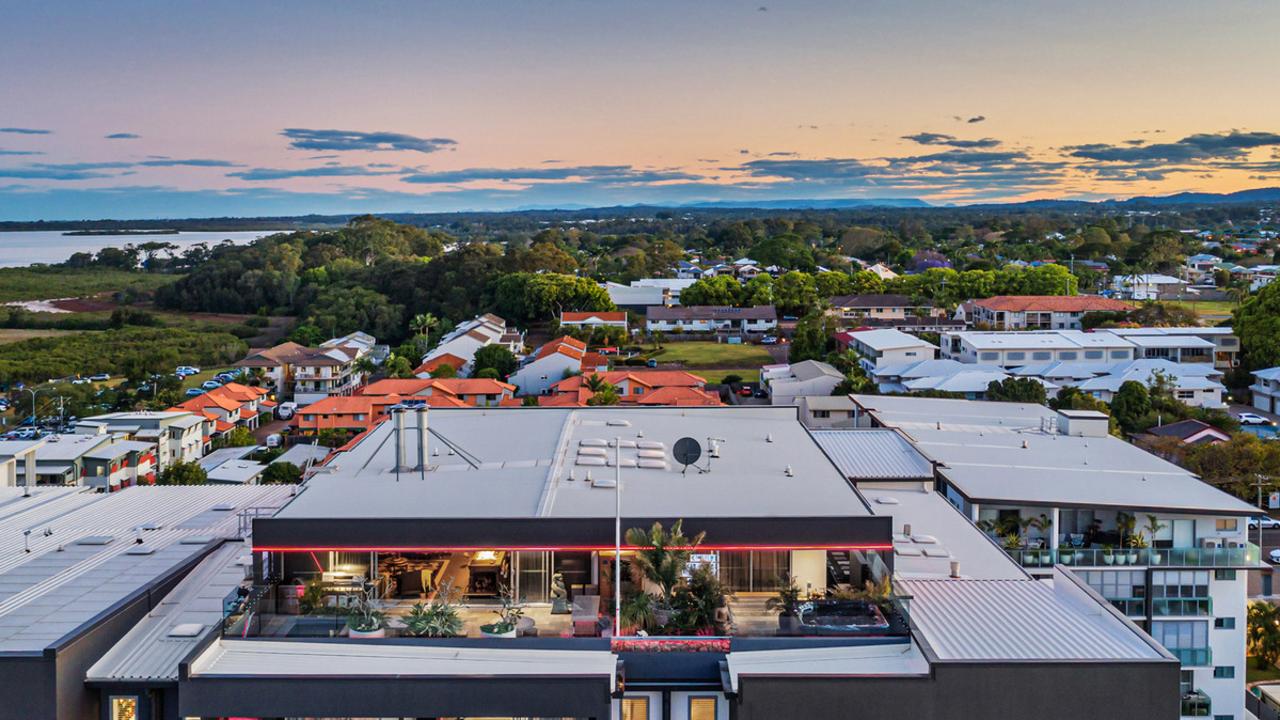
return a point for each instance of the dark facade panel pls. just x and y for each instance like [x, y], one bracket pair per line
[1044, 691]
[586, 697]
[408, 533]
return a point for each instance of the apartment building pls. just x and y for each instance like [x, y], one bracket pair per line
[1147, 286]
[1013, 349]
[1218, 345]
[474, 392]
[880, 308]
[179, 435]
[885, 347]
[207, 617]
[310, 374]
[1038, 312]
[1169, 551]
[642, 387]
[466, 338]
[755, 320]
[787, 382]
[1266, 389]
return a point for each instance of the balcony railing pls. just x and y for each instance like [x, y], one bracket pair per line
[1182, 607]
[1193, 657]
[1195, 704]
[1245, 555]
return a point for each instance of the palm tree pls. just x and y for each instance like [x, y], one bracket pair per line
[1264, 633]
[595, 383]
[662, 556]
[423, 323]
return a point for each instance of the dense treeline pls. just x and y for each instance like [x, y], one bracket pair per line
[119, 352]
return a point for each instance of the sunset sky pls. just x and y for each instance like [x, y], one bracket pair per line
[174, 109]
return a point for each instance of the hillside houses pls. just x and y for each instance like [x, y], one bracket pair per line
[464, 340]
[553, 362]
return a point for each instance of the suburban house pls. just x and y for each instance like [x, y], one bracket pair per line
[1039, 312]
[309, 374]
[179, 435]
[1266, 390]
[882, 271]
[229, 405]
[644, 387]
[787, 382]
[476, 392]
[1015, 471]
[429, 367]
[686, 270]
[1148, 286]
[1198, 385]
[885, 347]
[1218, 345]
[857, 309]
[940, 375]
[1013, 349]
[1187, 432]
[357, 413]
[468, 337]
[759, 319]
[553, 362]
[825, 412]
[591, 320]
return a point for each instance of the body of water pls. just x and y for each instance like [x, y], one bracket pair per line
[22, 248]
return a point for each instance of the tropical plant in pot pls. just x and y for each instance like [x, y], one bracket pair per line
[1137, 542]
[1154, 526]
[1108, 556]
[509, 613]
[785, 603]
[437, 619]
[364, 619]
[699, 604]
[662, 557]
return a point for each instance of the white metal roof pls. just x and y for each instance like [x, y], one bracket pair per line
[535, 462]
[891, 659]
[344, 658]
[236, 471]
[70, 576]
[889, 339]
[873, 455]
[1040, 339]
[939, 535]
[148, 652]
[1022, 620]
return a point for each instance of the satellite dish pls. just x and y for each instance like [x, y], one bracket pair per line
[686, 451]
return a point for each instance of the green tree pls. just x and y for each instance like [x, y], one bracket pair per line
[796, 292]
[238, 436]
[398, 366]
[183, 473]
[487, 374]
[423, 323]
[444, 371]
[718, 290]
[1264, 634]
[1015, 389]
[814, 337]
[1131, 402]
[1257, 323]
[281, 473]
[497, 357]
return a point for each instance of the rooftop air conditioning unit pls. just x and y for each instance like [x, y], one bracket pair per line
[1211, 543]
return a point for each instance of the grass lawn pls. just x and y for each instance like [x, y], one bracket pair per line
[1254, 675]
[1210, 308]
[46, 284]
[12, 335]
[714, 376]
[714, 355]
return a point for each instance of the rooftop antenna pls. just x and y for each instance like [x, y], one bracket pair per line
[26, 541]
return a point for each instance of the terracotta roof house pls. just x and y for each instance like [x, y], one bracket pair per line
[430, 366]
[309, 374]
[464, 340]
[553, 362]
[474, 392]
[1041, 312]
[637, 386]
[594, 319]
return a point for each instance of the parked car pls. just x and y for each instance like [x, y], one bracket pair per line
[769, 340]
[274, 440]
[185, 370]
[81, 381]
[1267, 522]
[744, 391]
[286, 410]
[651, 363]
[226, 377]
[210, 384]
[1274, 556]
[1253, 419]
[192, 392]
[100, 377]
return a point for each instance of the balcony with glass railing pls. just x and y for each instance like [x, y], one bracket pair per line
[1195, 704]
[1182, 607]
[1244, 555]
[1193, 657]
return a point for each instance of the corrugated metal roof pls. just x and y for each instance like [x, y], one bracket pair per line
[873, 455]
[50, 592]
[147, 653]
[1021, 620]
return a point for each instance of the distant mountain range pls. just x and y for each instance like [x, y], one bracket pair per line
[1240, 197]
[811, 204]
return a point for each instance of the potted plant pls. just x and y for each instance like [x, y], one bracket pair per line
[1107, 556]
[1012, 544]
[1137, 542]
[785, 604]
[1154, 526]
[509, 613]
[1066, 557]
[637, 613]
[364, 619]
[438, 619]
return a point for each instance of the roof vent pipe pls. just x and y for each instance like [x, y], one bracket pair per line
[422, 439]
[955, 568]
[399, 430]
[906, 529]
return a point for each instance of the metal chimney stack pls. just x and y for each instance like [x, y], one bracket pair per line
[399, 430]
[422, 440]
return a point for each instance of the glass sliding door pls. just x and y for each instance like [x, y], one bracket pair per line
[754, 570]
[533, 576]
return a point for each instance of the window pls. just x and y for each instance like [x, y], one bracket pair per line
[1224, 623]
[1224, 717]
[1042, 355]
[635, 708]
[702, 708]
[822, 413]
[124, 708]
[1227, 524]
[1227, 575]
[1187, 639]
[1093, 354]
[1119, 354]
[990, 356]
[1017, 356]
[1067, 355]
[1186, 394]
[1125, 589]
[1224, 672]
[1180, 592]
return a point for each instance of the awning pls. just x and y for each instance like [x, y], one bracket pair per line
[392, 678]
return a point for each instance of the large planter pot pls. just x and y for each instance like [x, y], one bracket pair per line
[1108, 559]
[1155, 558]
[1133, 557]
[379, 633]
[1066, 558]
[489, 633]
[788, 624]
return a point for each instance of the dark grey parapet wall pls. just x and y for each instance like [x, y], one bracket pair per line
[963, 691]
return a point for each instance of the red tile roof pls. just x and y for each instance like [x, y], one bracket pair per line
[396, 386]
[647, 378]
[565, 345]
[472, 386]
[678, 396]
[593, 360]
[434, 363]
[577, 317]
[1052, 303]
